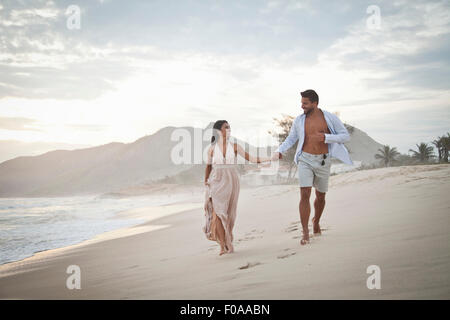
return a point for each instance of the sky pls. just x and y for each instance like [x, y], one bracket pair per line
[133, 67]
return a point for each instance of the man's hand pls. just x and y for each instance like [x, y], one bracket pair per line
[320, 137]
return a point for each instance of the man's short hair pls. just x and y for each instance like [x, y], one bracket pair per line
[311, 95]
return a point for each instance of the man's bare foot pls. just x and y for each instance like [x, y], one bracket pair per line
[316, 227]
[230, 248]
[305, 238]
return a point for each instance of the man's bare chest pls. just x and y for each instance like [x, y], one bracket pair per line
[316, 124]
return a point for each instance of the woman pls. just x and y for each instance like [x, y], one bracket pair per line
[222, 181]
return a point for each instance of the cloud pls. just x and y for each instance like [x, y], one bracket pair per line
[41, 58]
[18, 123]
[286, 6]
[177, 63]
[86, 127]
[38, 60]
[24, 17]
[407, 30]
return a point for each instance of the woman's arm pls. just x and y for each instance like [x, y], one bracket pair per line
[208, 165]
[207, 172]
[238, 149]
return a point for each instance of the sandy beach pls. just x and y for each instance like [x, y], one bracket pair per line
[396, 218]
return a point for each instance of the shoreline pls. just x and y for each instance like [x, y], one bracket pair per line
[135, 213]
[140, 227]
[375, 217]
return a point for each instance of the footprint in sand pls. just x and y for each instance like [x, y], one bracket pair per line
[295, 226]
[254, 234]
[286, 254]
[249, 265]
[291, 229]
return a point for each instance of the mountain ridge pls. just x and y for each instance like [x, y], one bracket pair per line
[116, 165]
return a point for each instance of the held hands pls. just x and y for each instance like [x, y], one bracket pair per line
[276, 156]
[263, 161]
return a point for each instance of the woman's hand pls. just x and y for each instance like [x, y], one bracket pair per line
[263, 159]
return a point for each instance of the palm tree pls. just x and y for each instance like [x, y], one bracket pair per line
[424, 154]
[445, 147]
[438, 143]
[387, 155]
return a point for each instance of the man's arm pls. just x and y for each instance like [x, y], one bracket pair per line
[290, 140]
[341, 135]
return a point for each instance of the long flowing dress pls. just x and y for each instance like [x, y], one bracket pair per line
[222, 194]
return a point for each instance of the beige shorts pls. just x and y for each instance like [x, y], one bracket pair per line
[311, 172]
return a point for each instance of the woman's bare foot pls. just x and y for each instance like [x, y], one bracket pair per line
[316, 227]
[230, 248]
[223, 249]
[305, 238]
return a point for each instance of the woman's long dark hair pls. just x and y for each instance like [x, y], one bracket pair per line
[216, 128]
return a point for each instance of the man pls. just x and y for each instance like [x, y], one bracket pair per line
[321, 136]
